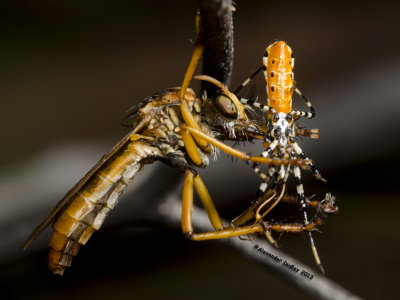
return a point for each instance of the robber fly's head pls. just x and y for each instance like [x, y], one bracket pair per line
[225, 103]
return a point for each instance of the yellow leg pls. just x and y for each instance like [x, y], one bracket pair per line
[191, 147]
[191, 122]
[228, 232]
[194, 60]
[187, 203]
[270, 239]
[187, 208]
[184, 107]
[244, 156]
[208, 203]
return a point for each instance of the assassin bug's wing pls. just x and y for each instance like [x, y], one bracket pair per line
[67, 198]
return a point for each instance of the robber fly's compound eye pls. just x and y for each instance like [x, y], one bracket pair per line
[225, 106]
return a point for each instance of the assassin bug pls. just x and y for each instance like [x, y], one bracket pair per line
[280, 137]
[173, 126]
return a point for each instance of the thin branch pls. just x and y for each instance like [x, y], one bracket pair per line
[259, 250]
[217, 35]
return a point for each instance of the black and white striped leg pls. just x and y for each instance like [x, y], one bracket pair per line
[310, 133]
[303, 206]
[265, 179]
[313, 168]
[305, 114]
[311, 109]
[250, 103]
[248, 80]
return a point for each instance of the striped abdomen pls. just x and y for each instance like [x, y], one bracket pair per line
[278, 64]
[90, 205]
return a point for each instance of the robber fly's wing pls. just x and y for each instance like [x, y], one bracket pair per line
[67, 198]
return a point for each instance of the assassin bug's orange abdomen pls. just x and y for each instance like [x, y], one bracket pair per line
[278, 64]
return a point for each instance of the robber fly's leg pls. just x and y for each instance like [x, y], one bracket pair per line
[244, 156]
[191, 147]
[228, 232]
[303, 206]
[207, 203]
[187, 203]
[194, 60]
[187, 208]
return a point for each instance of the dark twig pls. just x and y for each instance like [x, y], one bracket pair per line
[217, 35]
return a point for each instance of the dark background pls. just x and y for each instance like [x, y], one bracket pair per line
[70, 70]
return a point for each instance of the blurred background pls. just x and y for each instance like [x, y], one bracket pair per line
[71, 69]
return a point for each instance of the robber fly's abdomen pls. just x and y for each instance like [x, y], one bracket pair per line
[91, 204]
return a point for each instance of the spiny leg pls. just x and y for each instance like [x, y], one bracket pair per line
[311, 133]
[248, 80]
[257, 104]
[313, 168]
[303, 206]
[311, 113]
[265, 179]
[244, 156]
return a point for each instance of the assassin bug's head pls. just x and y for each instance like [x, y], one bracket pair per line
[225, 103]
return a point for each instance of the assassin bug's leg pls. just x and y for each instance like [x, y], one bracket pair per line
[265, 179]
[248, 80]
[311, 109]
[243, 156]
[256, 104]
[303, 206]
[313, 168]
[311, 133]
[305, 114]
